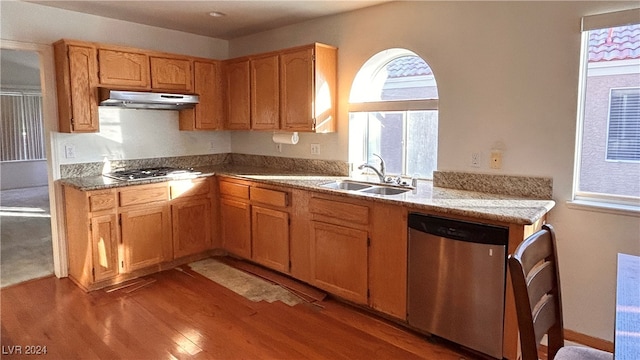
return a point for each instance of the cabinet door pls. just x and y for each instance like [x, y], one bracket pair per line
[238, 107]
[236, 227]
[123, 68]
[83, 91]
[171, 74]
[339, 260]
[146, 236]
[270, 230]
[191, 227]
[265, 93]
[209, 113]
[104, 244]
[296, 90]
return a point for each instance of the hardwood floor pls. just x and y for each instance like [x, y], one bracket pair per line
[186, 316]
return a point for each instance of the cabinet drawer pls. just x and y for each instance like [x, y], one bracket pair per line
[233, 189]
[104, 201]
[340, 210]
[185, 188]
[143, 195]
[269, 197]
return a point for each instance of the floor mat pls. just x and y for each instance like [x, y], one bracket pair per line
[249, 286]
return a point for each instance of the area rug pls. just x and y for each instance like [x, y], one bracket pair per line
[247, 285]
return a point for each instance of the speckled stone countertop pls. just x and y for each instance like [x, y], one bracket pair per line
[497, 207]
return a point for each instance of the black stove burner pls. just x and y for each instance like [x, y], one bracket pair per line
[146, 173]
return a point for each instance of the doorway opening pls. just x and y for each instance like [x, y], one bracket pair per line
[26, 248]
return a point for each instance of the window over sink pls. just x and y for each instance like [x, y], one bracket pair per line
[393, 112]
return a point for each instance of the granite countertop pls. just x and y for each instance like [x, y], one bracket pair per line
[426, 197]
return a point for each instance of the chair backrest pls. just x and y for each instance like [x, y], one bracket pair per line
[536, 285]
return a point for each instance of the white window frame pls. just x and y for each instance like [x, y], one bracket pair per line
[357, 104]
[608, 203]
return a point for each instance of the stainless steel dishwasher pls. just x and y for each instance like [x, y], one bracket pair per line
[456, 281]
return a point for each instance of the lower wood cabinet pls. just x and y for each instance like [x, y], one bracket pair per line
[339, 260]
[104, 246]
[255, 223]
[270, 235]
[190, 233]
[236, 227]
[145, 236]
[117, 234]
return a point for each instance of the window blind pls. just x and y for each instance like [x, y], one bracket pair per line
[614, 19]
[22, 135]
[623, 139]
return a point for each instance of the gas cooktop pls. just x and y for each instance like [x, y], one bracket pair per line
[155, 172]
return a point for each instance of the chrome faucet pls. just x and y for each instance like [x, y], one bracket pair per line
[380, 173]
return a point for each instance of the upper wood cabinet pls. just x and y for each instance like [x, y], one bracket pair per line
[308, 86]
[292, 90]
[208, 114]
[76, 81]
[173, 74]
[238, 93]
[265, 93]
[123, 68]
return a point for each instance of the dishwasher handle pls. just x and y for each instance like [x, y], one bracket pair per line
[459, 230]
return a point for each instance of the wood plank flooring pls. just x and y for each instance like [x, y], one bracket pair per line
[186, 316]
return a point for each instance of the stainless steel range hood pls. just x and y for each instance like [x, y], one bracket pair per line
[146, 100]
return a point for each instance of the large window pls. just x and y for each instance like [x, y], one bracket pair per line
[608, 151]
[394, 113]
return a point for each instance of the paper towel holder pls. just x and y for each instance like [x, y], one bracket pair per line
[290, 138]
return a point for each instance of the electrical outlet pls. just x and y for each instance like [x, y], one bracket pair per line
[69, 151]
[315, 149]
[496, 159]
[475, 159]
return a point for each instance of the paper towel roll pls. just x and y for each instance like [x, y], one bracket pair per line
[285, 138]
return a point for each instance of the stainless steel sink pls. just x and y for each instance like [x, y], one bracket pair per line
[363, 187]
[385, 190]
[347, 185]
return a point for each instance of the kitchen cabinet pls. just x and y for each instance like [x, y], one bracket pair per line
[118, 234]
[255, 223]
[145, 226]
[145, 236]
[235, 213]
[76, 81]
[265, 93]
[104, 246]
[171, 74]
[308, 85]
[208, 114]
[92, 235]
[270, 228]
[339, 242]
[123, 67]
[238, 93]
[388, 259]
[191, 213]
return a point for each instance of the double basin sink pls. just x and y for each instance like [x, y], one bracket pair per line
[366, 188]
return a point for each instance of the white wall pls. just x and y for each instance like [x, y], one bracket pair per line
[129, 134]
[139, 134]
[506, 72]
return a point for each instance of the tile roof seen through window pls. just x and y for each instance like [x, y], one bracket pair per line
[408, 66]
[619, 43]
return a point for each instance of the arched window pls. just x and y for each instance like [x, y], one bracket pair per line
[393, 112]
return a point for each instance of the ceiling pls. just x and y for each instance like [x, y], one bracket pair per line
[242, 17]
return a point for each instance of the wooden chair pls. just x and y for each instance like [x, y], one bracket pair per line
[536, 286]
